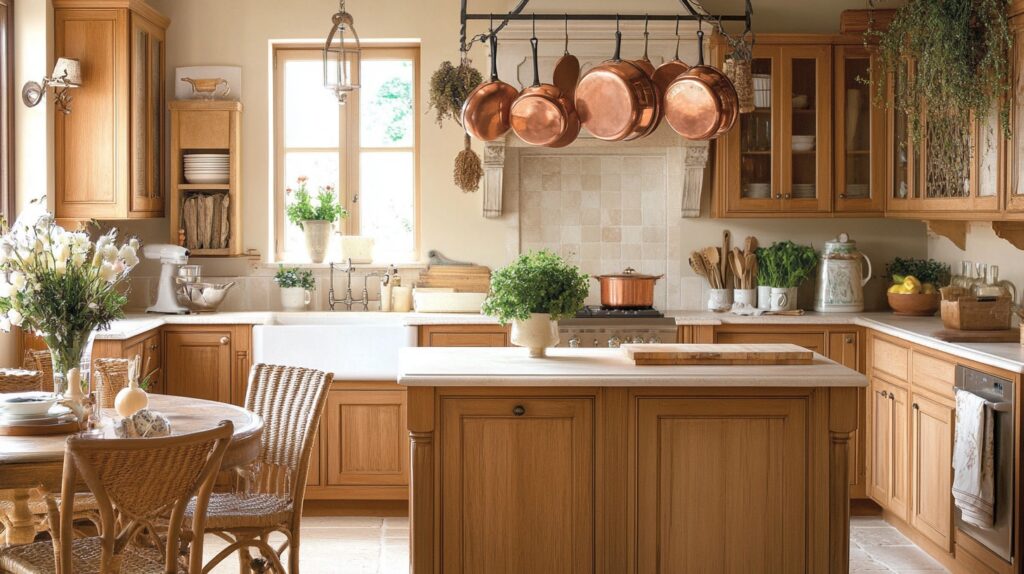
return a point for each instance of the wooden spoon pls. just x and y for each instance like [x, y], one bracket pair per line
[713, 260]
[697, 264]
[751, 268]
[726, 249]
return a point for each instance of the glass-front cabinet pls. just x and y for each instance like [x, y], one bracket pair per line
[779, 157]
[1015, 156]
[860, 135]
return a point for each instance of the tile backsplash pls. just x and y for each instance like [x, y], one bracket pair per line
[602, 212]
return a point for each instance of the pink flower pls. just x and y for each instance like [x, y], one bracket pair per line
[303, 179]
[288, 190]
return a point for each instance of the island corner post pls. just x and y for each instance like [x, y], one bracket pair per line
[550, 478]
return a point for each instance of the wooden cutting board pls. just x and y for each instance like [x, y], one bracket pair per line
[731, 354]
[462, 278]
[957, 336]
[65, 427]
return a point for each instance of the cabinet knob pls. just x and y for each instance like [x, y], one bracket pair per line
[882, 394]
[848, 339]
[914, 406]
[154, 347]
[519, 410]
[842, 196]
[225, 340]
[778, 196]
[788, 196]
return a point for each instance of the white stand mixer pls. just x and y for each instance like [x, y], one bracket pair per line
[171, 258]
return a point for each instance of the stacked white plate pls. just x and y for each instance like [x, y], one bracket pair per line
[759, 190]
[857, 189]
[32, 408]
[207, 167]
[803, 190]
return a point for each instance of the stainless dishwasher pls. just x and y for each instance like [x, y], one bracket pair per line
[999, 393]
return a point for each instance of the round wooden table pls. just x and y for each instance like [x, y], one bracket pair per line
[28, 462]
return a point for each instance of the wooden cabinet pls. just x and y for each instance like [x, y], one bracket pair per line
[741, 511]
[463, 336]
[108, 152]
[1014, 200]
[521, 472]
[860, 135]
[146, 345]
[888, 480]
[778, 159]
[207, 361]
[931, 472]
[813, 340]
[365, 436]
[204, 127]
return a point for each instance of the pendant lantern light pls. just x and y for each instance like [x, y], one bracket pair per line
[342, 55]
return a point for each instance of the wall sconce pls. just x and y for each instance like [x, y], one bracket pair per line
[67, 74]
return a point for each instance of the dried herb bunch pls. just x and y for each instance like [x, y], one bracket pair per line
[450, 86]
[468, 170]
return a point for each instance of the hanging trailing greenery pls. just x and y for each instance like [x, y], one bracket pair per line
[948, 61]
[450, 86]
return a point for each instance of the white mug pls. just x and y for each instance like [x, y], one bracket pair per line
[747, 297]
[782, 299]
[764, 297]
[295, 298]
[719, 299]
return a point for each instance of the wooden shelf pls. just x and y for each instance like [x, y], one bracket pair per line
[758, 152]
[204, 186]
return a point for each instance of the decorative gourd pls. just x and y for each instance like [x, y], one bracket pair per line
[132, 398]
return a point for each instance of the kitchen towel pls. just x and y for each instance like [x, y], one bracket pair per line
[973, 464]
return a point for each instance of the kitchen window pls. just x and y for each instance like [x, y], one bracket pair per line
[368, 149]
[6, 109]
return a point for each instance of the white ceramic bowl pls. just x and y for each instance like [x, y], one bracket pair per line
[803, 143]
[800, 101]
[31, 404]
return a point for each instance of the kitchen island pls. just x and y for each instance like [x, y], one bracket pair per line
[582, 462]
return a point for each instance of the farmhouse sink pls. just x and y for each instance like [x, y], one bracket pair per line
[353, 346]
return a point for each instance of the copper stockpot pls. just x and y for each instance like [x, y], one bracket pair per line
[486, 114]
[701, 103]
[628, 290]
[542, 115]
[617, 100]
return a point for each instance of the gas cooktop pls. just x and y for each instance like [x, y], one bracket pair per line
[595, 312]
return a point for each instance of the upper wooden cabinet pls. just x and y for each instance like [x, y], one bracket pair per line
[1014, 196]
[109, 153]
[860, 135]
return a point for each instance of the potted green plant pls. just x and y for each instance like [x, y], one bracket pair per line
[314, 220]
[296, 287]
[533, 293]
[782, 267]
[915, 286]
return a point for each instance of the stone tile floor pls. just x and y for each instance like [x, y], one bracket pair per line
[875, 546]
[358, 545]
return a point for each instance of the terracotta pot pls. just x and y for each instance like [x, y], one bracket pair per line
[917, 305]
[537, 334]
[628, 290]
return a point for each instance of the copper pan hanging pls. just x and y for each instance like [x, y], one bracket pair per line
[567, 68]
[701, 103]
[669, 71]
[541, 115]
[645, 64]
[487, 111]
[616, 100]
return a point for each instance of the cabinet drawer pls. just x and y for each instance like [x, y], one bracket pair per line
[890, 359]
[934, 374]
[811, 341]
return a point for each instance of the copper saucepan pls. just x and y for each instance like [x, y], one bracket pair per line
[617, 100]
[487, 111]
[628, 290]
[701, 103]
[669, 71]
[647, 66]
[542, 115]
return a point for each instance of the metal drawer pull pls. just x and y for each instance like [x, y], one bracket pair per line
[519, 410]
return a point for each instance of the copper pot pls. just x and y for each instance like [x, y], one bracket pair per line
[628, 290]
[486, 113]
[542, 115]
[617, 100]
[701, 103]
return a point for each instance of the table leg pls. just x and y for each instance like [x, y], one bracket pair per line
[22, 528]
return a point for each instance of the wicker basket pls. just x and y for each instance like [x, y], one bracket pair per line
[970, 314]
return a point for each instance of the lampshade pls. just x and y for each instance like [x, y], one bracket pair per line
[342, 55]
[67, 71]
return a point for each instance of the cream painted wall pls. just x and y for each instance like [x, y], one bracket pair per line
[982, 246]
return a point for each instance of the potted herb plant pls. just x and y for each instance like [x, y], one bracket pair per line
[533, 293]
[783, 267]
[314, 220]
[62, 286]
[915, 286]
[296, 287]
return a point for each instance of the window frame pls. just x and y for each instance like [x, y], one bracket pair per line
[349, 147]
[7, 99]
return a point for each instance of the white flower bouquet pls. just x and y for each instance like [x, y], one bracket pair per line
[62, 286]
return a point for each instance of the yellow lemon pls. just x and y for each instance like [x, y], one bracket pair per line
[911, 284]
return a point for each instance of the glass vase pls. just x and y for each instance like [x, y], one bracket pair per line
[67, 352]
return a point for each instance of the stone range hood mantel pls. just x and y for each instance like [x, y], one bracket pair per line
[686, 162]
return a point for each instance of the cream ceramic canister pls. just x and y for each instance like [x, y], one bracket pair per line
[132, 398]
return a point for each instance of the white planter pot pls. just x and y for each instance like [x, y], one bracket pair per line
[537, 334]
[783, 298]
[318, 239]
[294, 298]
[764, 297]
[719, 300]
[747, 297]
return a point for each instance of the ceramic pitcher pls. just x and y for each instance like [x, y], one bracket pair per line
[841, 277]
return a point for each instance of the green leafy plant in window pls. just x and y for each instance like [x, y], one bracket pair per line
[537, 282]
[302, 208]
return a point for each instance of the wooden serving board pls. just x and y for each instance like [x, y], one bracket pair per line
[958, 336]
[462, 278]
[727, 354]
[67, 427]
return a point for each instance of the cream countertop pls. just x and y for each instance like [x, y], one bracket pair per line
[513, 367]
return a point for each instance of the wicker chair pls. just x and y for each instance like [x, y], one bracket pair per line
[137, 482]
[19, 380]
[111, 377]
[41, 361]
[291, 401]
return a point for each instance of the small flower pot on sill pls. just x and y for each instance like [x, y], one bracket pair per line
[294, 298]
[318, 239]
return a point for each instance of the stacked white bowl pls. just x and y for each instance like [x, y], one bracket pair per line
[207, 167]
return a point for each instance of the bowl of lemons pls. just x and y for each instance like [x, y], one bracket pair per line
[908, 296]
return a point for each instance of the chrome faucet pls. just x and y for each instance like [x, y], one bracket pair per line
[349, 300]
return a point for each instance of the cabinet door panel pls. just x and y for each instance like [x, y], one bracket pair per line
[467, 340]
[860, 137]
[931, 470]
[367, 440]
[806, 143]
[879, 475]
[710, 469]
[495, 478]
[199, 365]
[812, 341]
[842, 348]
[899, 496]
[751, 182]
[147, 116]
